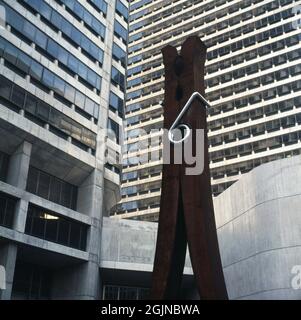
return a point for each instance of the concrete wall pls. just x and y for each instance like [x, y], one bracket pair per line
[130, 245]
[259, 230]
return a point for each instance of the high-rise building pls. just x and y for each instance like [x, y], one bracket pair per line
[253, 82]
[62, 81]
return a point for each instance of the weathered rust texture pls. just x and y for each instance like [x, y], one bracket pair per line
[186, 210]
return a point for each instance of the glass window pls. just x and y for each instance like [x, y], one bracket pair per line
[118, 78]
[5, 88]
[119, 54]
[43, 110]
[48, 79]
[116, 104]
[72, 63]
[23, 63]
[120, 31]
[49, 226]
[40, 39]
[7, 210]
[18, 96]
[51, 188]
[52, 48]
[28, 29]
[69, 93]
[56, 19]
[122, 10]
[36, 70]
[114, 130]
[10, 54]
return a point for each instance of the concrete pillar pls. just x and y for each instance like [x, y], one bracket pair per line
[8, 255]
[20, 215]
[17, 176]
[78, 282]
[90, 194]
[19, 165]
[82, 281]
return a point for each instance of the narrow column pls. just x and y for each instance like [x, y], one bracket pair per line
[19, 165]
[8, 254]
[17, 177]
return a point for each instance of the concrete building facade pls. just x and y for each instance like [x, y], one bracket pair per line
[258, 225]
[252, 83]
[62, 72]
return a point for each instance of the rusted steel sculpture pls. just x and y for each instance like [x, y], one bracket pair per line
[186, 210]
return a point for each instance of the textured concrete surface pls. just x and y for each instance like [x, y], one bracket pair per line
[259, 229]
[130, 245]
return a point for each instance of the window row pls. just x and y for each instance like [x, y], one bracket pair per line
[141, 188]
[244, 167]
[139, 4]
[233, 60]
[50, 48]
[174, 8]
[53, 50]
[274, 32]
[269, 109]
[143, 104]
[253, 54]
[151, 115]
[255, 130]
[51, 227]
[239, 59]
[236, 88]
[59, 23]
[124, 293]
[243, 133]
[28, 66]
[149, 203]
[255, 83]
[142, 173]
[45, 113]
[237, 32]
[51, 188]
[258, 81]
[263, 65]
[79, 11]
[258, 146]
[252, 40]
[274, 18]
[99, 5]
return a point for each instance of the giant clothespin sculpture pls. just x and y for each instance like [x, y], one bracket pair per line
[186, 210]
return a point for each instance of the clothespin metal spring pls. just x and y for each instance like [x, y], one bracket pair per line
[182, 126]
